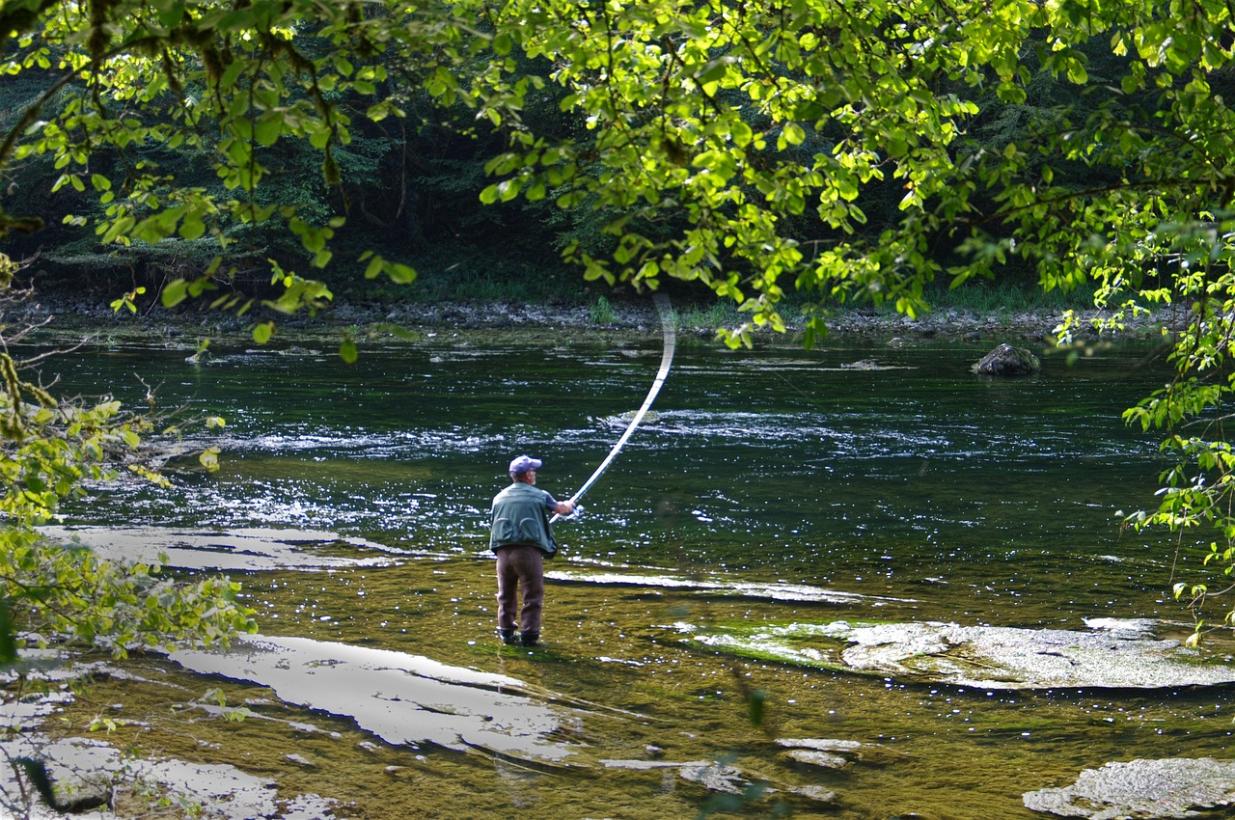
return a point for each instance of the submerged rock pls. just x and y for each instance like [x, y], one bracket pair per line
[715, 586]
[816, 793]
[716, 777]
[1007, 361]
[980, 656]
[819, 744]
[79, 767]
[622, 420]
[870, 364]
[1172, 787]
[401, 698]
[811, 757]
[645, 765]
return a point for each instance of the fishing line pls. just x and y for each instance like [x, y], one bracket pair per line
[666, 359]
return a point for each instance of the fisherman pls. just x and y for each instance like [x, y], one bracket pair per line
[521, 537]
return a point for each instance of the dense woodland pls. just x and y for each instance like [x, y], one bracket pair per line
[409, 186]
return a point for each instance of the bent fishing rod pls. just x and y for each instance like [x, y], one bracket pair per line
[666, 360]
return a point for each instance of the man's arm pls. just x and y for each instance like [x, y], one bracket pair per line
[559, 507]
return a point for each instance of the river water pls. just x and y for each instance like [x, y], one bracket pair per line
[888, 473]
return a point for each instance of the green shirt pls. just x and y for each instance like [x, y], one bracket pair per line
[520, 516]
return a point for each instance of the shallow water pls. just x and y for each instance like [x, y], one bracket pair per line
[916, 492]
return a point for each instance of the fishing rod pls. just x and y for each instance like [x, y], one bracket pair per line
[666, 359]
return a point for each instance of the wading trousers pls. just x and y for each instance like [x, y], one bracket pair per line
[520, 566]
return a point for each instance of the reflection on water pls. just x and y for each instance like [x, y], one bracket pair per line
[901, 490]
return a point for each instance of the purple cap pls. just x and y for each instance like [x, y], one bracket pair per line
[524, 463]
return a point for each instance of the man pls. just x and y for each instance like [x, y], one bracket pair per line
[522, 537]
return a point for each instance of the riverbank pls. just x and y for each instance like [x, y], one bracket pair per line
[372, 321]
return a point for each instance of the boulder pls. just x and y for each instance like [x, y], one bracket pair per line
[1006, 361]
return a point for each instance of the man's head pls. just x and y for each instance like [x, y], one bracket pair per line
[524, 469]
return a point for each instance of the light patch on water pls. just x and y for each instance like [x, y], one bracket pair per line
[361, 443]
[741, 589]
[247, 549]
[1124, 627]
[401, 698]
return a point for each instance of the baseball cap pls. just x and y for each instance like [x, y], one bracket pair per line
[524, 463]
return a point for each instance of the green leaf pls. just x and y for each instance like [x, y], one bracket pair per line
[174, 293]
[348, 351]
[268, 128]
[374, 267]
[192, 227]
[262, 332]
[209, 458]
[793, 134]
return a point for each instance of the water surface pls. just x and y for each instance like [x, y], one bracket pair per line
[926, 492]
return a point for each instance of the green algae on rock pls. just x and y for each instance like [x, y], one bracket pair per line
[983, 657]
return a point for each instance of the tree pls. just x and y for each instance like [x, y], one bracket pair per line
[731, 144]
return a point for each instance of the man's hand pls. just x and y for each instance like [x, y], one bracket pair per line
[564, 507]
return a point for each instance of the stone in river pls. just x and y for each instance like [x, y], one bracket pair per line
[819, 744]
[723, 586]
[716, 777]
[817, 793]
[85, 767]
[246, 549]
[1172, 787]
[985, 657]
[1007, 361]
[811, 757]
[644, 765]
[403, 699]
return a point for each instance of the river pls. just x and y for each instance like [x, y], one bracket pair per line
[887, 481]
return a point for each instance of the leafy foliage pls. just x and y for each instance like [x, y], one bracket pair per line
[49, 447]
